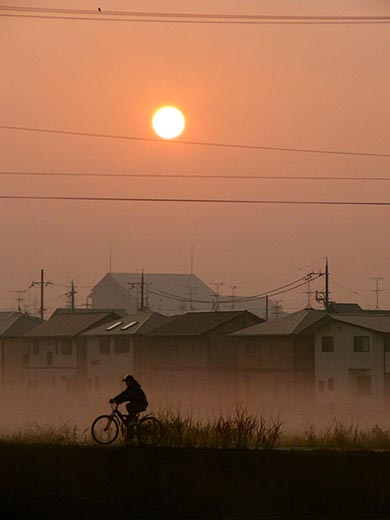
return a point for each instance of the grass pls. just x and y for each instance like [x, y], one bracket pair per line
[237, 429]
[340, 436]
[34, 433]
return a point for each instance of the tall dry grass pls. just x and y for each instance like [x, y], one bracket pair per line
[237, 429]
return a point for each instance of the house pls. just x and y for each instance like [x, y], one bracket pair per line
[110, 350]
[169, 294]
[57, 358]
[13, 350]
[352, 358]
[164, 293]
[276, 361]
[191, 361]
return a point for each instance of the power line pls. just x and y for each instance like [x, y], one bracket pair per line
[160, 14]
[197, 176]
[197, 22]
[229, 301]
[197, 201]
[305, 278]
[197, 143]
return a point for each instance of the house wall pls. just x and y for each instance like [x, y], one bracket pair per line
[275, 369]
[337, 372]
[52, 365]
[187, 371]
[106, 369]
[109, 294]
[13, 360]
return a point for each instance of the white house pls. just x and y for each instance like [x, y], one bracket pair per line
[352, 359]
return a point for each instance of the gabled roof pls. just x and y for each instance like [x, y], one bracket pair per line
[15, 323]
[177, 284]
[294, 323]
[197, 323]
[71, 323]
[377, 323]
[130, 324]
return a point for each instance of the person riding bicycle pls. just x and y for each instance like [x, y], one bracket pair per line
[135, 395]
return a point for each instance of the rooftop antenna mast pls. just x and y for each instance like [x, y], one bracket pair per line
[377, 290]
[217, 284]
[233, 288]
[19, 298]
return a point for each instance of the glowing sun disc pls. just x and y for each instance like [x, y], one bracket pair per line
[168, 122]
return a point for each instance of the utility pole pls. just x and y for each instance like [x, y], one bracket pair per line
[377, 290]
[42, 284]
[142, 285]
[19, 298]
[323, 296]
[217, 284]
[71, 294]
[233, 288]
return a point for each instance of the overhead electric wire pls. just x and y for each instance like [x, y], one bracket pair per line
[197, 143]
[193, 21]
[196, 201]
[224, 301]
[195, 176]
[180, 17]
[310, 277]
[191, 15]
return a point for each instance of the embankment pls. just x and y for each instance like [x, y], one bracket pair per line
[39, 481]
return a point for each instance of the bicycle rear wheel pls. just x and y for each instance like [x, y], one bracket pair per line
[104, 429]
[149, 431]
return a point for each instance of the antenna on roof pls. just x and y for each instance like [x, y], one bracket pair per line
[109, 257]
[192, 258]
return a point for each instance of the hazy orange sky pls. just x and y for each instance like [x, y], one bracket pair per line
[294, 86]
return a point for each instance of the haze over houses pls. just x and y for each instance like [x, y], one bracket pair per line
[209, 358]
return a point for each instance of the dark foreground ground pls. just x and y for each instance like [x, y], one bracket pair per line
[124, 482]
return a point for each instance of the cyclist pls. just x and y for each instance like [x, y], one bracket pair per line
[135, 395]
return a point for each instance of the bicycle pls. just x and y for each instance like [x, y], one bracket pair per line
[105, 429]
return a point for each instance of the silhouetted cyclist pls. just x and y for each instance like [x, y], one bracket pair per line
[135, 395]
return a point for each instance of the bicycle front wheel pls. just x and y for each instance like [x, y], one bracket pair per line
[104, 429]
[149, 431]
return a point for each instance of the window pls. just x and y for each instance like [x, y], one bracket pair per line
[387, 343]
[361, 343]
[49, 358]
[321, 387]
[363, 384]
[330, 384]
[251, 351]
[121, 345]
[35, 348]
[66, 347]
[327, 344]
[104, 345]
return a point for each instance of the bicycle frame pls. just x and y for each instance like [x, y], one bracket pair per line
[117, 414]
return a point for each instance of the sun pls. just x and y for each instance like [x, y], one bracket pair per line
[168, 122]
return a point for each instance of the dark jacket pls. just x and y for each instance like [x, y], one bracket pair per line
[133, 393]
